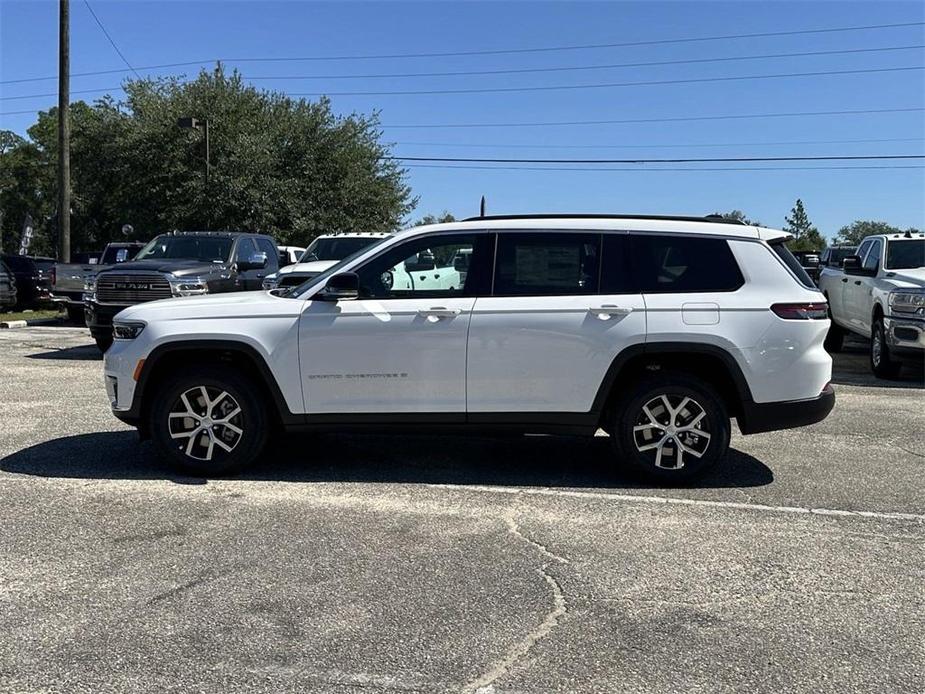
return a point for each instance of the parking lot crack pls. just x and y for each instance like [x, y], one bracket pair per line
[188, 585]
[484, 683]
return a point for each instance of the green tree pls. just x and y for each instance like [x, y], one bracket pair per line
[806, 237]
[738, 216]
[444, 218]
[857, 231]
[290, 168]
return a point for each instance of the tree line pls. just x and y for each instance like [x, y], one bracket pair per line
[290, 168]
[806, 237]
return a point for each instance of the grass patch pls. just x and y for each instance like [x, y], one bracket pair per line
[37, 314]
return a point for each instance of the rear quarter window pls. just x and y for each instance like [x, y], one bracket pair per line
[668, 264]
[780, 247]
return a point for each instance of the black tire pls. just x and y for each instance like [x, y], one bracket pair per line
[103, 342]
[835, 338]
[676, 387]
[75, 314]
[188, 453]
[881, 362]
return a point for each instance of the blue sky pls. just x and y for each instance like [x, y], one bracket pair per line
[151, 33]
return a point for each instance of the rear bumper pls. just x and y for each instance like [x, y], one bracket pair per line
[787, 414]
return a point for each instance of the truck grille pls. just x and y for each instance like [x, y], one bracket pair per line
[120, 288]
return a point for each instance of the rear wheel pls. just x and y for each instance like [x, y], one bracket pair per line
[104, 342]
[209, 421]
[835, 338]
[672, 428]
[881, 362]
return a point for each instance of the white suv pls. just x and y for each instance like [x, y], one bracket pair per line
[656, 329]
[325, 251]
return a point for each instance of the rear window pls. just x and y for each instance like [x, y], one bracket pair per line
[784, 254]
[663, 263]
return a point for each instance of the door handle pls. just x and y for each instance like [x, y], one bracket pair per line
[607, 311]
[439, 312]
[844, 279]
[857, 281]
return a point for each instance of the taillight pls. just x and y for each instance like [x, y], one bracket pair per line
[801, 311]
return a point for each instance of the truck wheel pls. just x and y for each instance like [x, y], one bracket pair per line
[75, 314]
[671, 428]
[881, 363]
[835, 338]
[104, 342]
[208, 421]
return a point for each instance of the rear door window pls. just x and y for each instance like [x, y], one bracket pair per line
[616, 272]
[547, 264]
[663, 263]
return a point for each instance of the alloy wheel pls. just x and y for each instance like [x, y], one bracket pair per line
[669, 427]
[203, 419]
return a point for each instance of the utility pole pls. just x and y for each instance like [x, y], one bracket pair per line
[64, 131]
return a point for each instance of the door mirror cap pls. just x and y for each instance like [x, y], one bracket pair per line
[340, 287]
[258, 261]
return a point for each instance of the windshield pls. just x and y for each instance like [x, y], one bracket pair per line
[905, 254]
[204, 248]
[323, 277]
[335, 248]
[837, 255]
[118, 254]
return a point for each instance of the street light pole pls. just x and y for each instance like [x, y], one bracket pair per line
[196, 124]
[64, 132]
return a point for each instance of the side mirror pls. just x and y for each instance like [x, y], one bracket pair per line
[340, 287]
[852, 265]
[461, 263]
[258, 261]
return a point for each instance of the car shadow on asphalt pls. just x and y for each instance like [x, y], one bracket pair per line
[522, 461]
[851, 367]
[79, 353]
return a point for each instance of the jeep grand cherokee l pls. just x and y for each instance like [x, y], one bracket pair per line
[658, 330]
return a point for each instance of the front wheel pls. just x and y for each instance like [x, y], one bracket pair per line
[103, 343]
[75, 314]
[208, 421]
[672, 428]
[881, 362]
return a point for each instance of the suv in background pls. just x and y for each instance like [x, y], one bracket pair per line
[658, 330]
[325, 251]
[34, 278]
[190, 263]
[7, 287]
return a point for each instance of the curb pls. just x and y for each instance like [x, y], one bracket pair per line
[13, 324]
[10, 324]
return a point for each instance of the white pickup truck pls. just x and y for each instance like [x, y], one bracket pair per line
[879, 294]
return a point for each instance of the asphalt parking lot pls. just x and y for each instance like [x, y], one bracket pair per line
[428, 563]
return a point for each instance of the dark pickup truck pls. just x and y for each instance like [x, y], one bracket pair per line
[188, 263]
[70, 278]
[7, 287]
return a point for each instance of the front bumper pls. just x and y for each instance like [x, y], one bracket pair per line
[99, 317]
[68, 298]
[905, 335]
[787, 414]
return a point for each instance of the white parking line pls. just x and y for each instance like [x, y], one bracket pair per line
[638, 498]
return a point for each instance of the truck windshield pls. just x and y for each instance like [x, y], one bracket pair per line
[298, 291]
[118, 254]
[335, 247]
[905, 254]
[204, 248]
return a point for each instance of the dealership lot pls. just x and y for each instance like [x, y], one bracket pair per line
[428, 563]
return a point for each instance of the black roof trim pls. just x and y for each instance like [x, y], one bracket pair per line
[712, 218]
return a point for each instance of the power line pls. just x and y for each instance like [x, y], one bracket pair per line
[113, 43]
[658, 146]
[657, 170]
[684, 160]
[610, 85]
[518, 71]
[496, 90]
[689, 39]
[678, 119]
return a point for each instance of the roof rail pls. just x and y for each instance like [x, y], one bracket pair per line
[713, 218]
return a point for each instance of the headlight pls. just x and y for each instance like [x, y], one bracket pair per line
[188, 287]
[271, 281]
[126, 330]
[90, 284]
[908, 301]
